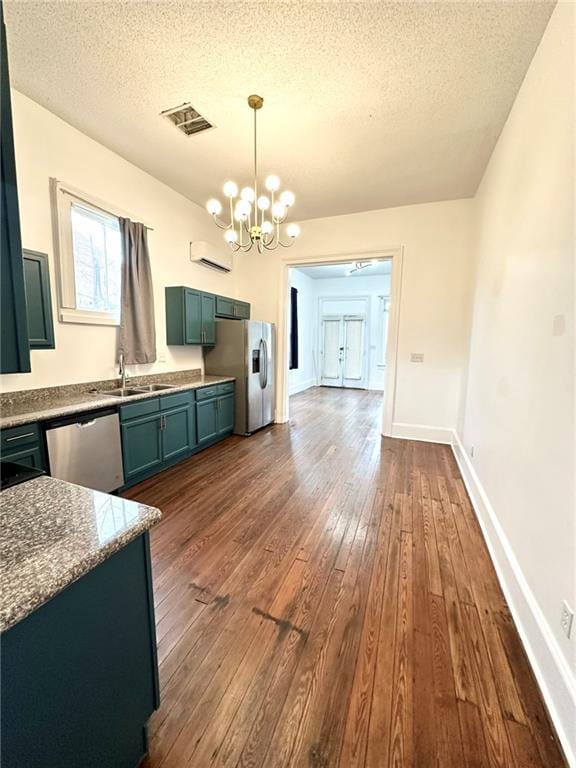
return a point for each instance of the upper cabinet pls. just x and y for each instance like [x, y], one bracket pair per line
[191, 315]
[232, 308]
[14, 350]
[38, 300]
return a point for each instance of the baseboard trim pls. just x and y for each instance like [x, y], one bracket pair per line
[549, 665]
[422, 432]
[301, 387]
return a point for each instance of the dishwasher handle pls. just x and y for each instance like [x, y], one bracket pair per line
[84, 424]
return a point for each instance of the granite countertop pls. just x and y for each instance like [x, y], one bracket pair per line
[66, 400]
[52, 533]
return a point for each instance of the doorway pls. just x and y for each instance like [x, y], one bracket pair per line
[347, 354]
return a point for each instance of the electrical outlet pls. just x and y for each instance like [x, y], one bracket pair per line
[416, 357]
[162, 356]
[566, 618]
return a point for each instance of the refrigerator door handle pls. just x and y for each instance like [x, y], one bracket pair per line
[261, 354]
[265, 364]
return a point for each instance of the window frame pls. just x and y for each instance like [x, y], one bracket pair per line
[64, 197]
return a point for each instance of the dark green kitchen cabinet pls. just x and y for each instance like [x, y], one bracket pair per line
[141, 445]
[156, 432]
[214, 416]
[226, 415]
[206, 421]
[24, 445]
[14, 350]
[38, 300]
[178, 434]
[190, 316]
[232, 309]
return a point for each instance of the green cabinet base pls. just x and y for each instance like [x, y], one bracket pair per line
[80, 674]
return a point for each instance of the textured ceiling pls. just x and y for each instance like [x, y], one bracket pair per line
[323, 271]
[367, 105]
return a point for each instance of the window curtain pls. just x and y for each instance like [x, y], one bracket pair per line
[293, 328]
[137, 340]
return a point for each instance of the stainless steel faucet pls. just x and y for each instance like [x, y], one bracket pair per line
[122, 370]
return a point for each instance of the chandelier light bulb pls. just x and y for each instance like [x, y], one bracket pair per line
[230, 236]
[278, 211]
[243, 208]
[293, 230]
[263, 203]
[272, 183]
[287, 198]
[230, 189]
[267, 227]
[247, 194]
[214, 207]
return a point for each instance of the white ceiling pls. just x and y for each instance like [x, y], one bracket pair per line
[367, 105]
[323, 271]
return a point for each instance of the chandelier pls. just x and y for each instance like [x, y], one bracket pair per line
[255, 219]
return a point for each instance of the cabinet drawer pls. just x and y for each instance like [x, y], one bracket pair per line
[141, 408]
[226, 388]
[175, 400]
[15, 437]
[207, 392]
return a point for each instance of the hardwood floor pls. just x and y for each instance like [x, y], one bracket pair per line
[324, 598]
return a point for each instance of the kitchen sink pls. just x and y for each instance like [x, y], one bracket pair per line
[123, 392]
[155, 387]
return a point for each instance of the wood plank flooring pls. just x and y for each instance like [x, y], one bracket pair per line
[324, 598]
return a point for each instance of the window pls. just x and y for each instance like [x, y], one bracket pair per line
[90, 251]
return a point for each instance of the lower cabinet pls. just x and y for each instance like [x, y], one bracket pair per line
[156, 439]
[24, 445]
[159, 431]
[215, 418]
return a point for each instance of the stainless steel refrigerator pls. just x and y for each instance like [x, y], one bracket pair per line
[246, 349]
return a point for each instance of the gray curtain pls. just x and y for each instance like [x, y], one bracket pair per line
[137, 339]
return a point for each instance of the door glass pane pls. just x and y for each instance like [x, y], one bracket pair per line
[331, 367]
[354, 349]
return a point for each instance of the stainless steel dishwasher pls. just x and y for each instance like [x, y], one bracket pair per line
[85, 449]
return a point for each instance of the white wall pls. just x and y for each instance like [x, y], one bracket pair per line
[372, 287]
[48, 147]
[518, 413]
[304, 376]
[436, 240]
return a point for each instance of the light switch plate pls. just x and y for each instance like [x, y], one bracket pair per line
[416, 357]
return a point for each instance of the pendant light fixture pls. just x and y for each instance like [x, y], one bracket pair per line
[255, 219]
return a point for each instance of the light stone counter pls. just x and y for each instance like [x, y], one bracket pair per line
[52, 533]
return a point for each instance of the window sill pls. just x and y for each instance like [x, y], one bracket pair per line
[88, 318]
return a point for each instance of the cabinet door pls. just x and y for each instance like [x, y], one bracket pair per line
[33, 456]
[225, 414]
[242, 310]
[224, 307]
[206, 421]
[208, 318]
[178, 434]
[141, 445]
[14, 350]
[38, 300]
[193, 326]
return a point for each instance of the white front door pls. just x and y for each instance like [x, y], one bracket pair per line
[343, 341]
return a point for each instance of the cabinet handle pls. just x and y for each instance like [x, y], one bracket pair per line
[19, 437]
[162, 423]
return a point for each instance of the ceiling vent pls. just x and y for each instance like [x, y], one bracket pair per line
[187, 119]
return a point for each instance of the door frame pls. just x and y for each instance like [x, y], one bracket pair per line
[396, 256]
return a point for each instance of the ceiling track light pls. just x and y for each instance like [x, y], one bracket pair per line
[255, 220]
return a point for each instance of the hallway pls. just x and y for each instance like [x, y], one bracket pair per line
[324, 598]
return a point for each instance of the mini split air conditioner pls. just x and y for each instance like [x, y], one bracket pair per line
[209, 255]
